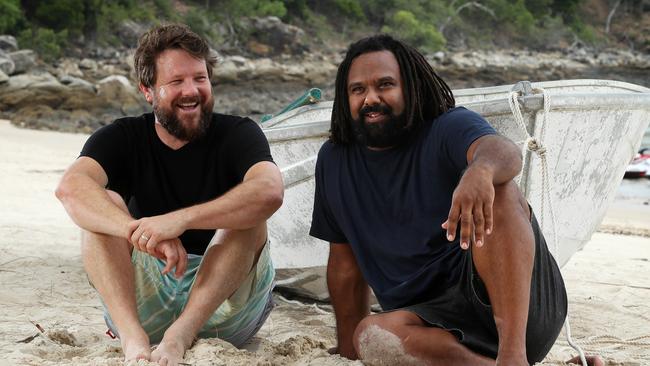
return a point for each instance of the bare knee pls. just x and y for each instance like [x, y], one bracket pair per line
[254, 238]
[509, 202]
[378, 341]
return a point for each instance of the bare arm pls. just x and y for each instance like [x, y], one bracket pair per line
[245, 206]
[493, 160]
[349, 293]
[497, 156]
[83, 195]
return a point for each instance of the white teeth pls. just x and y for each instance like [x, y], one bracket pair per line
[187, 105]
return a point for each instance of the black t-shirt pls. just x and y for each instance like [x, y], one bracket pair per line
[389, 205]
[154, 179]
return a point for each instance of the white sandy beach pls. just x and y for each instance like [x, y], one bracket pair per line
[43, 282]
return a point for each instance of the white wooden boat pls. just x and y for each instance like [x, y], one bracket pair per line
[590, 130]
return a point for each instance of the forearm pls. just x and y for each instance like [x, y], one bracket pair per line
[247, 205]
[350, 299]
[498, 157]
[90, 206]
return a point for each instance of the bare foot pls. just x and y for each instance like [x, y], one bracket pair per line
[135, 349]
[591, 361]
[168, 353]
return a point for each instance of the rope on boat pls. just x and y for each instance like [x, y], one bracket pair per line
[536, 146]
[313, 306]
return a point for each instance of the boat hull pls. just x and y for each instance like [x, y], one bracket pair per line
[592, 130]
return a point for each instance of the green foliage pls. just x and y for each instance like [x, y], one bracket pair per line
[240, 8]
[586, 33]
[539, 8]
[350, 9]
[403, 24]
[567, 9]
[274, 8]
[47, 43]
[9, 15]
[165, 9]
[202, 24]
[427, 24]
[61, 15]
[513, 14]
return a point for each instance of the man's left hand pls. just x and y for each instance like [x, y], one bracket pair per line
[471, 205]
[147, 232]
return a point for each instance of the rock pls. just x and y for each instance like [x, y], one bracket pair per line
[43, 117]
[88, 64]
[31, 89]
[23, 60]
[69, 67]
[117, 93]
[77, 83]
[277, 36]
[259, 49]
[129, 32]
[3, 77]
[6, 64]
[116, 79]
[8, 43]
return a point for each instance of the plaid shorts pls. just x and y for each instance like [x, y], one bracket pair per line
[160, 299]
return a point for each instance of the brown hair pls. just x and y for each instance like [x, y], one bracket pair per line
[164, 37]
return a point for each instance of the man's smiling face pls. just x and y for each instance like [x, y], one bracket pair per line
[376, 99]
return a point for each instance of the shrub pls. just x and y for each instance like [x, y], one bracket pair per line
[61, 15]
[9, 15]
[351, 9]
[47, 43]
[404, 25]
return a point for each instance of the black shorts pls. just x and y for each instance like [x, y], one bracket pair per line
[465, 311]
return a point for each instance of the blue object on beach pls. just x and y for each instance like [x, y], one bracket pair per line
[311, 96]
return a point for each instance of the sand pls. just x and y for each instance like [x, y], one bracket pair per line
[44, 285]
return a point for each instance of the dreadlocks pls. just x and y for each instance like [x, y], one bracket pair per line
[426, 95]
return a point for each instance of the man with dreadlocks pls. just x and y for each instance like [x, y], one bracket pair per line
[402, 167]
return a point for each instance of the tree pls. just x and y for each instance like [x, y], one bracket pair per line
[403, 24]
[61, 15]
[9, 15]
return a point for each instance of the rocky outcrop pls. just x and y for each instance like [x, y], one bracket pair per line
[271, 70]
[476, 69]
[68, 103]
[23, 60]
[315, 69]
[269, 36]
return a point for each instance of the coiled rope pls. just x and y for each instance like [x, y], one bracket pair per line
[536, 145]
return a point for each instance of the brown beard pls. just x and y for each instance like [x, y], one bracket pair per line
[170, 121]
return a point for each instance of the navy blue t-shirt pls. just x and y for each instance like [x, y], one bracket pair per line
[389, 205]
[154, 179]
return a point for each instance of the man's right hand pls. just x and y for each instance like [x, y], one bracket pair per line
[173, 254]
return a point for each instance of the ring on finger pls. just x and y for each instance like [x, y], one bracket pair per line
[146, 238]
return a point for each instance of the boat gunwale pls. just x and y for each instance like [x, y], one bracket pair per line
[487, 108]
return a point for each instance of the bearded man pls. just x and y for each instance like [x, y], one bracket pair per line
[402, 168]
[173, 205]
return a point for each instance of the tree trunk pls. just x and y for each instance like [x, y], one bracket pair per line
[611, 15]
